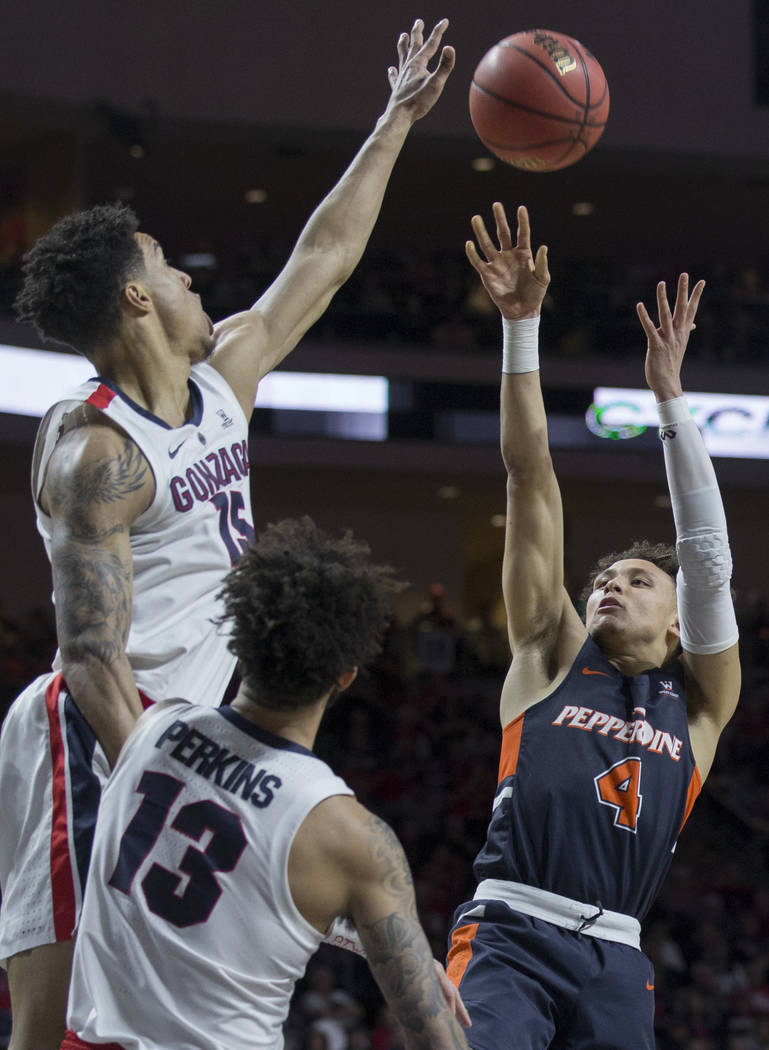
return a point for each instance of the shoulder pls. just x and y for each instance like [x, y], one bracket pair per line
[229, 333]
[94, 460]
[541, 665]
[348, 833]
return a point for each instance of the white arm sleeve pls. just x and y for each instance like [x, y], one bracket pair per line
[705, 608]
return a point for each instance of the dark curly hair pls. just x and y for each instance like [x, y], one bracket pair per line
[663, 555]
[305, 608]
[74, 273]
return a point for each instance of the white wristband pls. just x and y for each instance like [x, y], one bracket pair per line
[520, 345]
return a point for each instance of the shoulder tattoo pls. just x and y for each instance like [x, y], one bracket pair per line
[104, 481]
[388, 852]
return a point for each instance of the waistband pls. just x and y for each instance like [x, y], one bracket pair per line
[590, 919]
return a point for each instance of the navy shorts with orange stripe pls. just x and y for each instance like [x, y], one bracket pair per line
[531, 985]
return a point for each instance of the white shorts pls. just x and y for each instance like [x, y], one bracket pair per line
[51, 774]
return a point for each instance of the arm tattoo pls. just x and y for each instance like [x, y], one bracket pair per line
[93, 584]
[397, 949]
[93, 601]
[106, 481]
[401, 960]
[395, 872]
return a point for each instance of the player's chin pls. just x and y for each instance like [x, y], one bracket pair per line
[600, 628]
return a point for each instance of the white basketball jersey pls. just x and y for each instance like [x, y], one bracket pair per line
[198, 524]
[189, 937]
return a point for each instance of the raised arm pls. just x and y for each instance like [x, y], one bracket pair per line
[250, 344]
[705, 611]
[96, 485]
[345, 861]
[536, 601]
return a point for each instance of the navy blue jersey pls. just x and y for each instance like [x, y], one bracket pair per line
[595, 784]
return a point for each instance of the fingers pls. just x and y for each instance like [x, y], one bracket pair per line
[646, 322]
[663, 308]
[472, 254]
[433, 41]
[503, 229]
[485, 242]
[682, 298]
[541, 269]
[415, 38]
[524, 230]
[461, 1012]
[686, 306]
[446, 63]
[452, 996]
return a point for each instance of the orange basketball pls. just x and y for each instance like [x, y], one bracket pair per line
[539, 100]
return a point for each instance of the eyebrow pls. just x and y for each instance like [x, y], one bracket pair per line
[611, 572]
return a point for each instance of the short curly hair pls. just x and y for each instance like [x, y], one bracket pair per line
[305, 607]
[74, 273]
[663, 555]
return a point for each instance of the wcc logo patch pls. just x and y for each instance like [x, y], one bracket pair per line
[666, 689]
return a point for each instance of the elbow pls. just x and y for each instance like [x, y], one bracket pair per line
[83, 659]
[527, 467]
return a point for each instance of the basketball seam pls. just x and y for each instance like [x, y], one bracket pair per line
[558, 83]
[537, 112]
[535, 145]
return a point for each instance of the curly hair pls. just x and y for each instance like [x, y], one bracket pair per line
[663, 555]
[74, 273]
[305, 608]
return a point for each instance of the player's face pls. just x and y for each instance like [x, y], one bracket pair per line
[177, 307]
[633, 601]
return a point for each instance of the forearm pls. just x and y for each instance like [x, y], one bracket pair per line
[523, 423]
[343, 221]
[107, 697]
[93, 611]
[401, 961]
[706, 613]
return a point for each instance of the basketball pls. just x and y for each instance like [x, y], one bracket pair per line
[539, 100]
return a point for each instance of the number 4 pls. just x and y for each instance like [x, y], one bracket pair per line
[618, 787]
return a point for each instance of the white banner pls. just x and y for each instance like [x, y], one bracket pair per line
[733, 425]
[33, 379]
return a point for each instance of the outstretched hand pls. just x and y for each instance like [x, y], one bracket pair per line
[514, 278]
[666, 342]
[414, 88]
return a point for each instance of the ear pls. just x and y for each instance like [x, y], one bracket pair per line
[136, 299]
[346, 678]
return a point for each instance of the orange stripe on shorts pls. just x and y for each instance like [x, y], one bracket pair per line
[461, 952]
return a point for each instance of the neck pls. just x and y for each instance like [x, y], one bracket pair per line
[632, 661]
[299, 725]
[150, 374]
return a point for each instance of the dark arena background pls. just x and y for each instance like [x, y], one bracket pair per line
[223, 125]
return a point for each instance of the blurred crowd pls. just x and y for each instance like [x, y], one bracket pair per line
[418, 739]
[433, 298]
